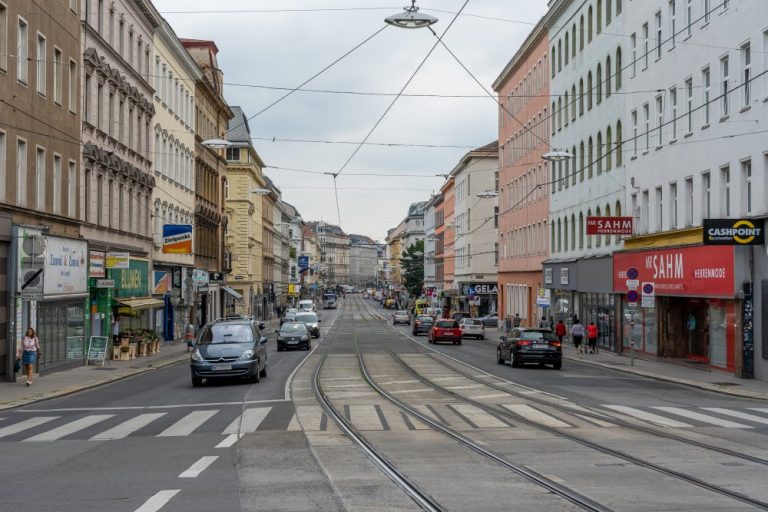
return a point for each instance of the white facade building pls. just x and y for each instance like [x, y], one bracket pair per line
[430, 244]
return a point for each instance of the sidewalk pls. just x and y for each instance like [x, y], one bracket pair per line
[65, 382]
[719, 382]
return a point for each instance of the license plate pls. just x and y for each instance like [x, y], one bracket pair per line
[221, 367]
[540, 346]
[293, 342]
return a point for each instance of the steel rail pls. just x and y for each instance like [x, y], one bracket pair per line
[420, 497]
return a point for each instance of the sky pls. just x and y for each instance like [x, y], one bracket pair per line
[282, 44]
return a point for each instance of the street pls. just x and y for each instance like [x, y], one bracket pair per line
[152, 442]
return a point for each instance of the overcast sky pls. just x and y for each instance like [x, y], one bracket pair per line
[283, 49]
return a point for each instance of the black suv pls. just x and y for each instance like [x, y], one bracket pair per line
[229, 348]
[530, 346]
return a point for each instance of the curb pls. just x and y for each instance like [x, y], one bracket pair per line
[76, 389]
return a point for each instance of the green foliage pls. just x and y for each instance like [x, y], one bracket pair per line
[412, 267]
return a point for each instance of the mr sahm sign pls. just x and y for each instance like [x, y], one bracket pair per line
[733, 232]
[177, 239]
[609, 225]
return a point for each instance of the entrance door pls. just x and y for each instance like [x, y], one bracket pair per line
[696, 332]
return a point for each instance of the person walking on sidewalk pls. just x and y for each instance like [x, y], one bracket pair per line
[29, 351]
[592, 337]
[560, 331]
[577, 333]
[189, 336]
[516, 321]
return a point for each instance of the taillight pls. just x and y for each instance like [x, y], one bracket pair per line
[523, 343]
[554, 344]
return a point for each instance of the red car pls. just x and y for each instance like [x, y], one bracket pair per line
[445, 330]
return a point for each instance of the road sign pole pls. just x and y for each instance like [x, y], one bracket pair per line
[632, 343]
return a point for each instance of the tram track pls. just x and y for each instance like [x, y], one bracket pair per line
[503, 414]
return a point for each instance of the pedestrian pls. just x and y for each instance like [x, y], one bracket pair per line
[115, 330]
[543, 324]
[592, 337]
[517, 320]
[560, 331]
[29, 351]
[189, 336]
[577, 333]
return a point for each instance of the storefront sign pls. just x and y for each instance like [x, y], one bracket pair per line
[564, 276]
[547, 276]
[686, 271]
[96, 264]
[216, 277]
[609, 225]
[161, 282]
[177, 239]
[105, 283]
[303, 262]
[66, 270]
[481, 289]
[133, 281]
[118, 260]
[543, 298]
[733, 232]
[200, 277]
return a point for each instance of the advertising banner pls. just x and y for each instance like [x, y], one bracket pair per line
[118, 260]
[66, 269]
[177, 239]
[97, 264]
[686, 271]
[733, 232]
[609, 225]
[161, 282]
[303, 262]
[133, 281]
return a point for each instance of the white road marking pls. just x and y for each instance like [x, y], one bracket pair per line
[248, 422]
[70, 428]
[595, 421]
[648, 416]
[759, 409]
[495, 395]
[418, 390]
[158, 501]
[738, 414]
[25, 425]
[365, 417]
[187, 424]
[199, 466]
[155, 407]
[393, 382]
[530, 413]
[294, 425]
[479, 417]
[704, 418]
[127, 428]
[228, 441]
[311, 416]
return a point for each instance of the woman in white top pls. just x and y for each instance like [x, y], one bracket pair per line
[29, 352]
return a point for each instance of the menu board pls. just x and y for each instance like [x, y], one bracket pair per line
[97, 349]
[75, 347]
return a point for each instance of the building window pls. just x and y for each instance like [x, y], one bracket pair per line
[589, 91]
[634, 132]
[706, 11]
[705, 89]
[673, 206]
[56, 184]
[72, 87]
[619, 69]
[633, 39]
[40, 178]
[618, 7]
[746, 67]
[100, 17]
[746, 176]
[765, 63]
[646, 49]
[42, 60]
[659, 209]
[22, 51]
[619, 145]
[647, 116]
[688, 16]
[725, 182]
[724, 86]
[689, 105]
[58, 75]
[581, 33]
[3, 170]
[3, 37]
[672, 21]
[100, 107]
[599, 89]
[660, 120]
[706, 199]
[673, 101]
[233, 154]
[658, 35]
[72, 189]
[644, 215]
[689, 202]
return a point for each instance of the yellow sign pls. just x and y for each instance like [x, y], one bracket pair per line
[118, 260]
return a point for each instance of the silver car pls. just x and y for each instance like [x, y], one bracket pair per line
[401, 317]
[472, 328]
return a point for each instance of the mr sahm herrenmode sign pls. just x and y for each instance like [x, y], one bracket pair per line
[609, 225]
[733, 232]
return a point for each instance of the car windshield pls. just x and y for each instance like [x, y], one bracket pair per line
[536, 335]
[447, 324]
[293, 329]
[226, 333]
[290, 314]
[472, 322]
[307, 318]
[401, 313]
[427, 319]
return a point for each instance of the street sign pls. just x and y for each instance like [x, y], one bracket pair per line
[303, 262]
[632, 273]
[632, 296]
[649, 295]
[105, 283]
[543, 298]
[633, 284]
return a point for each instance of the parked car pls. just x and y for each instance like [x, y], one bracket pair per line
[306, 305]
[445, 330]
[311, 321]
[491, 320]
[289, 316]
[459, 315]
[423, 324]
[293, 335]
[401, 317]
[229, 348]
[472, 328]
[530, 346]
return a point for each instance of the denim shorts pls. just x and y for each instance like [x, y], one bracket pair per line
[28, 357]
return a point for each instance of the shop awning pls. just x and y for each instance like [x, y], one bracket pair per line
[232, 292]
[144, 303]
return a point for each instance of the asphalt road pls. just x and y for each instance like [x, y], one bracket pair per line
[152, 442]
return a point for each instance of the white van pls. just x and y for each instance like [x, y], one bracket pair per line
[306, 305]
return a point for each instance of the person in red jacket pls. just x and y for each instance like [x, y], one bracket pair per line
[560, 331]
[592, 337]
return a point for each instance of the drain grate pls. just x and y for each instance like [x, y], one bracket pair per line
[725, 384]
[104, 368]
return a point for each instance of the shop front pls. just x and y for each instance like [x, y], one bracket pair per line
[479, 298]
[687, 307]
[169, 286]
[136, 308]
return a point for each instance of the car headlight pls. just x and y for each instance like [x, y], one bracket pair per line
[314, 326]
[197, 356]
[305, 338]
[248, 354]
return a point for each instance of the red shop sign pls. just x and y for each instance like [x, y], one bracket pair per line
[609, 225]
[692, 271]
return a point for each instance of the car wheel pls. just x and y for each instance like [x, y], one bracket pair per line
[257, 376]
[309, 346]
[558, 365]
[513, 362]
[197, 382]
[499, 359]
[263, 373]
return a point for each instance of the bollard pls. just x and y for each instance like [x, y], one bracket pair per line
[632, 353]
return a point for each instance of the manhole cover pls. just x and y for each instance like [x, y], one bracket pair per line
[725, 384]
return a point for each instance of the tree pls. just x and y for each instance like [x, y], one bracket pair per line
[412, 267]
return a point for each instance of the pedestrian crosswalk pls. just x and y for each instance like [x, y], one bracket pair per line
[232, 423]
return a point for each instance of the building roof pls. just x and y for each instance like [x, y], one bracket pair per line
[239, 131]
[490, 150]
[324, 227]
[417, 209]
[361, 240]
